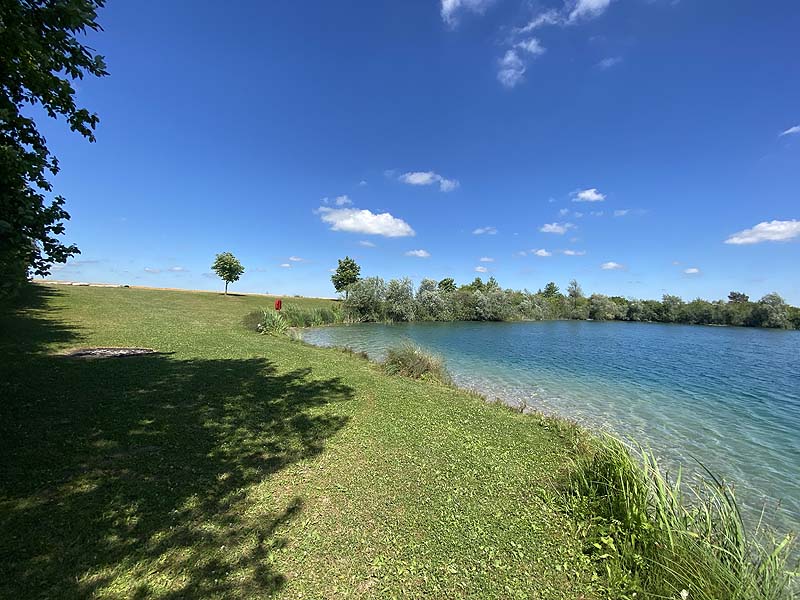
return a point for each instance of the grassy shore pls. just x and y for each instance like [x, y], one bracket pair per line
[239, 465]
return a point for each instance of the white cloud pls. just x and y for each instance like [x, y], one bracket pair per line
[611, 61]
[563, 212]
[589, 195]
[151, 270]
[448, 185]
[611, 266]
[511, 69]
[343, 200]
[429, 178]
[597, 213]
[587, 9]
[357, 220]
[419, 178]
[790, 131]
[487, 230]
[531, 46]
[692, 271]
[451, 8]
[366, 244]
[296, 259]
[486, 259]
[542, 252]
[178, 269]
[362, 183]
[559, 228]
[548, 17]
[574, 252]
[577, 214]
[621, 213]
[418, 253]
[285, 265]
[480, 269]
[768, 231]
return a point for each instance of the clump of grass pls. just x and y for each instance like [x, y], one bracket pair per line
[652, 537]
[411, 361]
[357, 353]
[273, 323]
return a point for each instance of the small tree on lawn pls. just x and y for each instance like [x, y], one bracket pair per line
[228, 268]
[346, 274]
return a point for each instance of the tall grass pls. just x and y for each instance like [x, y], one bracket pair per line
[314, 317]
[270, 321]
[657, 538]
[411, 361]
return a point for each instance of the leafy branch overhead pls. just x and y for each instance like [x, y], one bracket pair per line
[40, 57]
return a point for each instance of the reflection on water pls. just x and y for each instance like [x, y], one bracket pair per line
[728, 396]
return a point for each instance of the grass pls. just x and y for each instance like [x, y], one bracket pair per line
[411, 361]
[654, 537]
[244, 466]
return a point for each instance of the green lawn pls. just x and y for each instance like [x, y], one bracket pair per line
[238, 465]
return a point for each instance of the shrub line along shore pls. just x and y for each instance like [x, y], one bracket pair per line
[233, 464]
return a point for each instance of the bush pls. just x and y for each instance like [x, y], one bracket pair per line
[400, 300]
[492, 304]
[366, 300]
[411, 361]
[273, 323]
[652, 539]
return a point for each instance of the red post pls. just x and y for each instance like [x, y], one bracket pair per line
[278, 304]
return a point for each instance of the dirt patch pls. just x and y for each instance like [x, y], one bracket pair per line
[108, 352]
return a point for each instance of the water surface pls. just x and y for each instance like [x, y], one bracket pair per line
[728, 396]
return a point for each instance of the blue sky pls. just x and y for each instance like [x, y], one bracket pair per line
[621, 143]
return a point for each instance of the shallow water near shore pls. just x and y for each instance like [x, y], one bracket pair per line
[729, 397]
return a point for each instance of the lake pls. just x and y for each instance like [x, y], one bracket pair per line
[728, 396]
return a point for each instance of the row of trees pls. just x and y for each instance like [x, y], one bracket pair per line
[373, 299]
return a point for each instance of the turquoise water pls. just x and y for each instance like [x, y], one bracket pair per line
[728, 396]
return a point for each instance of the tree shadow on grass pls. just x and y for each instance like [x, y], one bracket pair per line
[149, 476]
[30, 321]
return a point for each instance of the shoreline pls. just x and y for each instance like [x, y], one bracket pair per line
[757, 494]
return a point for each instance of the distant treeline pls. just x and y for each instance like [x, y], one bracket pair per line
[374, 300]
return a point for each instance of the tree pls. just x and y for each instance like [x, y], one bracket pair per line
[574, 290]
[476, 285]
[400, 300]
[492, 284]
[347, 273]
[771, 311]
[550, 290]
[228, 267]
[447, 285]
[602, 308]
[366, 301]
[672, 307]
[40, 57]
[738, 298]
[430, 303]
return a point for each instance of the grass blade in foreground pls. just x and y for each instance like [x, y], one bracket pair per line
[650, 537]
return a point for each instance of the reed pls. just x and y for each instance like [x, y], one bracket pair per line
[655, 537]
[411, 361]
